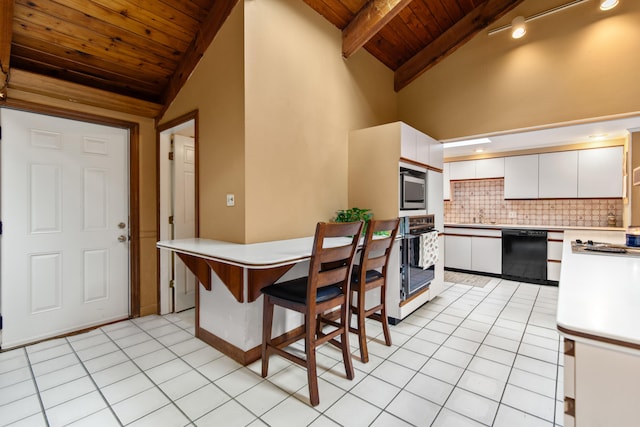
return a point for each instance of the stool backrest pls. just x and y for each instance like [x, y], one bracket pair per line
[375, 253]
[334, 249]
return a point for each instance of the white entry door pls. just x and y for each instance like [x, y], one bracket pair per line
[64, 252]
[184, 217]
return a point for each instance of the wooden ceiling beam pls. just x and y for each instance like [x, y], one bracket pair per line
[6, 32]
[59, 89]
[218, 14]
[371, 18]
[447, 43]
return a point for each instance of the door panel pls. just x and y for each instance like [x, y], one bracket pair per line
[184, 217]
[64, 190]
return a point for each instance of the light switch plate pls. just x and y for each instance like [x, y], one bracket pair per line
[231, 200]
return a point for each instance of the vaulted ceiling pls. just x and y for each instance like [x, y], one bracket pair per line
[141, 52]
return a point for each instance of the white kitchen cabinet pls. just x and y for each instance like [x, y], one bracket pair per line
[521, 177]
[462, 170]
[490, 168]
[408, 142]
[446, 182]
[422, 148]
[434, 198]
[435, 153]
[558, 175]
[486, 254]
[554, 255]
[457, 252]
[600, 172]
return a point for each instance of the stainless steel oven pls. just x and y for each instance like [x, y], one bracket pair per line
[414, 278]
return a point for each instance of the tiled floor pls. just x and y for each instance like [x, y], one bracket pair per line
[472, 357]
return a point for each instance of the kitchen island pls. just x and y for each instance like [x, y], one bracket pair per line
[598, 306]
[227, 314]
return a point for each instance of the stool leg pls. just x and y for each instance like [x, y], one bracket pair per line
[267, 320]
[310, 349]
[383, 317]
[362, 333]
[345, 315]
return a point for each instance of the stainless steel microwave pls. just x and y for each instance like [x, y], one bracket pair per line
[413, 186]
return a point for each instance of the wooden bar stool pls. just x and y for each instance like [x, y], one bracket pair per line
[370, 274]
[325, 288]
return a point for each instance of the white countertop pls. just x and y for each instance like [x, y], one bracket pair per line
[599, 294]
[538, 227]
[253, 255]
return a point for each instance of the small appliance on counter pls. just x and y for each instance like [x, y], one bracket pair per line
[633, 236]
[603, 248]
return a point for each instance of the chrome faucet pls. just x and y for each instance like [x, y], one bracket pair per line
[481, 215]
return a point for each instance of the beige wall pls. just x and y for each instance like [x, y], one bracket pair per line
[276, 102]
[577, 64]
[302, 99]
[147, 206]
[216, 90]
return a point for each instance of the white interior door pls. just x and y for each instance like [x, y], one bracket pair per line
[64, 204]
[184, 216]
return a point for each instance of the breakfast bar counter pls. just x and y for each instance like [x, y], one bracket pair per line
[227, 314]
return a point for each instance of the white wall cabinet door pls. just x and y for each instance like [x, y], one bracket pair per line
[408, 142]
[457, 252]
[446, 182]
[600, 172]
[521, 177]
[490, 168]
[434, 198]
[435, 153]
[463, 170]
[422, 148]
[558, 175]
[486, 254]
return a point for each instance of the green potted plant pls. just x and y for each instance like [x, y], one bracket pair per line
[356, 214]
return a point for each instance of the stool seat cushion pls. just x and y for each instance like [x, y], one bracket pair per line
[296, 290]
[370, 277]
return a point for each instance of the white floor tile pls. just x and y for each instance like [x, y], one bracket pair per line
[115, 373]
[533, 382]
[442, 371]
[413, 409]
[201, 356]
[501, 343]
[539, 353]
[168, 370]
[76, 409]
[510, 417]
[462, 344]
[218, 368]
[535, 366]
[97, 351]
[409, 359]
[68, 391]
[529, 402]
[51, 365]
[231, 414]
[14, 377]
[102, 418]
[188, 346]
[448, 418]
[469, 334]
[17, 391]
[430, 388]
[489, 368]
[168, 415]
[141, 349]
[344, 410]
[154, 359]
[482, 385]
[126, 388]
[56, 378]
[239, 381]
[19, 409]
[139, 405]
[61, 348]
[17, 360]
[375, 391]
[183, 384]
[472, 405]
[263, 397]
[385, 419]
[393, 373]
[496, 355]
[290, 412]
[420, 346]
[455, 357]
[106, 361]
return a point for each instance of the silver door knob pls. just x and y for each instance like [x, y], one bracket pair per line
[122, 225]
[122, 238]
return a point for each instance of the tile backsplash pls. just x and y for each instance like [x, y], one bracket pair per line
[483, 201]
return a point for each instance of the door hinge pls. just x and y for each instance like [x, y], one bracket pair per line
[0, 228]
[171, 220]
[172, 283]
[170, 155]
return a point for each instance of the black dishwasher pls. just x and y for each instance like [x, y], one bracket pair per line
[524, 255]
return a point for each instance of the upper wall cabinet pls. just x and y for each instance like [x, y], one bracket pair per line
[521, 177]
[417, 146]
[477, 169]
[446, 181]
[600, 172]
[558, 175]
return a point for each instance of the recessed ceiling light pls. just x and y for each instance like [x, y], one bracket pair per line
[598, 137]
[479, 150]
[608, 4]
[466, 142]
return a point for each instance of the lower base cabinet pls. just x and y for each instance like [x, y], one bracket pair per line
[474, 253]
[601, 384]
